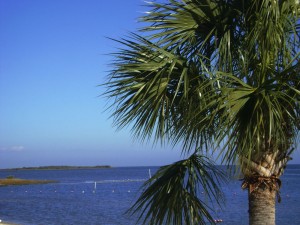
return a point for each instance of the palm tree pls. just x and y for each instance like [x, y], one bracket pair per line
[214, 76]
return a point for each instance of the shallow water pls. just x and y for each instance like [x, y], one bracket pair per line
[76, 199]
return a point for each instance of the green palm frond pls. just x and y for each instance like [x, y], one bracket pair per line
[260, 119]
[181, 193]
[141, 83]
[195, 28]
[153, 88]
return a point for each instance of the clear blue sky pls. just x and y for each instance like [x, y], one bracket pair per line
[53, 54]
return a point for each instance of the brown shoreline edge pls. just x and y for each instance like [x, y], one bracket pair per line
[7, 223]
[17, 181]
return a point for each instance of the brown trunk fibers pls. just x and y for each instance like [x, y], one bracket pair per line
[261, 178]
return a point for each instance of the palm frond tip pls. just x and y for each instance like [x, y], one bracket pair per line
[181, 193]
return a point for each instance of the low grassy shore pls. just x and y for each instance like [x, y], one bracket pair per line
[7, 223]
[17, 181]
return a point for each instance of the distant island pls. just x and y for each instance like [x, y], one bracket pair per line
[16, 181]
[60, 167]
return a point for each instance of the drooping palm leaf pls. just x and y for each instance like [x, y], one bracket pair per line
[177, 194]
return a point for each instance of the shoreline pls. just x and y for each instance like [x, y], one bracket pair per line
[7, 223]
[17, 181]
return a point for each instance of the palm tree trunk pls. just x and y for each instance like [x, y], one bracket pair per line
[261, 178]
[262, 206]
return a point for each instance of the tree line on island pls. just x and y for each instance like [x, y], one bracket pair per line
[11, 180]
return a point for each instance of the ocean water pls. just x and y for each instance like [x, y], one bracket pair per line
[77, 200]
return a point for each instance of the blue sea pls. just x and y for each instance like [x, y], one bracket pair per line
[76, 199]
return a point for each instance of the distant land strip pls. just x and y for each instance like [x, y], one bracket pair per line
[17, 181]
[60, 167]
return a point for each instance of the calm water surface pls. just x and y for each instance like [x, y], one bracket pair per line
[76, 199]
